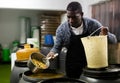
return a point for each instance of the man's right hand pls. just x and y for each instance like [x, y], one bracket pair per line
[51, 54]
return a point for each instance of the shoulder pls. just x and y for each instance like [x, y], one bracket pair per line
[63, 26]
[92, 24]
[90, 20]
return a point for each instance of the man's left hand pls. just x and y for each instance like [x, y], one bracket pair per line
[104, 31]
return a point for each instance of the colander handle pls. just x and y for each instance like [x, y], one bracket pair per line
[54, 56]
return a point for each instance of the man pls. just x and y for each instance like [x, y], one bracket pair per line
[68, 34]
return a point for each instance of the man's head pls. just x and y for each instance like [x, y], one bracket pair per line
[74, 14]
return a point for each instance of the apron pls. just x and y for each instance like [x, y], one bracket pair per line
[75, 57]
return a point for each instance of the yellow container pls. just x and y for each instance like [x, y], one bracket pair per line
[23, 54]
[96, 50]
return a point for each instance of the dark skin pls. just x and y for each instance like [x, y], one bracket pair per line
[74, 18]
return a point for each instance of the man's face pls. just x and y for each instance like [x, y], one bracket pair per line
[74, 18]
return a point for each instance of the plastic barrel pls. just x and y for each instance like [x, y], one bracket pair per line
[19, 68]
[29, 77]
[63, 80]
[108, 75]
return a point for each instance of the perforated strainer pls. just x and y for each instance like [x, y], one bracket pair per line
[38, 61]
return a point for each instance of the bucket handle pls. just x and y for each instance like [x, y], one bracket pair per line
[95, 31]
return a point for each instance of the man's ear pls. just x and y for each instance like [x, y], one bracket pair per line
[82, 13]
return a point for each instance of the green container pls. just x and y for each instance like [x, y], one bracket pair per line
[0, 52]
[6, 54]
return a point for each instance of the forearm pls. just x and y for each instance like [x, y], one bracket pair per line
[56, 49]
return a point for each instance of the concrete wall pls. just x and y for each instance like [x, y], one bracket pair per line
[10, 10]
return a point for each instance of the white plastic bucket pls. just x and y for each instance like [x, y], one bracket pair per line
[96, 50]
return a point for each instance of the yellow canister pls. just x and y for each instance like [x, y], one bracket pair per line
[23, 54]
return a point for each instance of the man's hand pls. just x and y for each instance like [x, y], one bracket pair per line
[51, 54]
[104, 31]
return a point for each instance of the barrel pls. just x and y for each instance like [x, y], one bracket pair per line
[108, 75]
[63, 80]
[29, 77]
[18, 69]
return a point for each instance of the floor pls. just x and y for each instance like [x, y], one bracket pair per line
[5, 71]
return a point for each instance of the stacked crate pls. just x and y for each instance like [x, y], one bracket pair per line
[49, 24]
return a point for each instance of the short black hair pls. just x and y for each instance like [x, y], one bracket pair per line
[73, 6]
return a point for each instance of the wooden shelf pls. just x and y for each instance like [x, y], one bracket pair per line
[49, 22]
